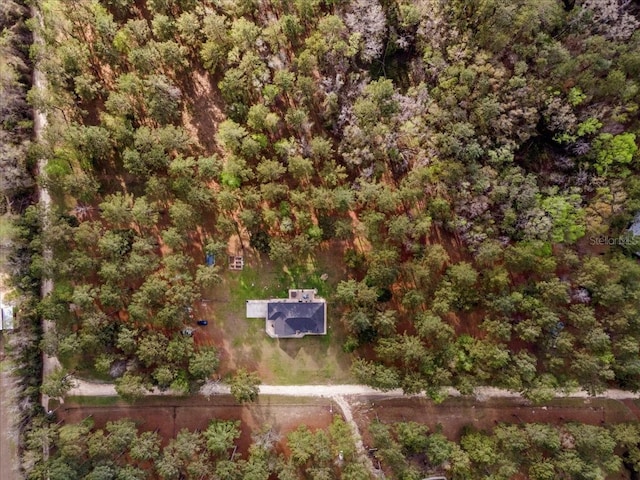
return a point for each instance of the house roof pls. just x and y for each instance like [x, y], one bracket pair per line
[6, 320]
[635, 226]
[294, 318]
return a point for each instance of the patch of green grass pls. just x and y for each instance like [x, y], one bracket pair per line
[307, 360]
[70, 362]
[276, 365]
[93, 401]
[7, 228]
[4, 366]
[7, 231]
[252, 284]
[305, 276]
[83, 367]
[327, 371]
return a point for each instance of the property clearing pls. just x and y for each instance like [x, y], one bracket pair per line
[243, 342]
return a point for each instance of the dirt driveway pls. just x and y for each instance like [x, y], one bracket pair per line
[8, 454]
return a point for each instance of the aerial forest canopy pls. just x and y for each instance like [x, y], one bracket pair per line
[15, 113]
[534, 451]
[123, 450]
[473, 159]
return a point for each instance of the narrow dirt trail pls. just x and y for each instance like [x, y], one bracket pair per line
[8, 413]
[39, 125]
[86, 388]
[347, 413]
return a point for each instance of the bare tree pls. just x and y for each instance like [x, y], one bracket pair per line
[611, 18]
[366, 17]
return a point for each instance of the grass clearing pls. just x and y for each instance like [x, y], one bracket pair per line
[4, 366]
[83, 368]
[7, 232]
[7, 228]
[244, 343]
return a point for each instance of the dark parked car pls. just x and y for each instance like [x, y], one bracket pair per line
[203, 322]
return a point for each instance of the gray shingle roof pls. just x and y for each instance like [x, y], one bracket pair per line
[635, 226]
[291, 318]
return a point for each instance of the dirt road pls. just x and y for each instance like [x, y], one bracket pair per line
[8, 435]
[349, 396]
[359, 407]
[169, 415]
[39, 125]
[85, 388]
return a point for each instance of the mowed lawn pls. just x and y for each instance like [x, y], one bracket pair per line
[6, 234]
[244, 343]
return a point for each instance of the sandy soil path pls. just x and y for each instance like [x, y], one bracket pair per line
[39, 125]
[347, 412]
[8, 434]
[85, 388]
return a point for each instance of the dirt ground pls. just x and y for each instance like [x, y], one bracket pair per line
[8, 453]
[169, 415]
[455, 413]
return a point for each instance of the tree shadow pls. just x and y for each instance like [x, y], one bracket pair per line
[291, 346]
[202, 100]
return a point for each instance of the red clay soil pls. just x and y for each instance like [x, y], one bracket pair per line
[587, 247]
[453, 415]
[633, 405]
[456, 250]
[456, 413]
[467, 323]
[203, 337]
[169, 415]
[202, 114]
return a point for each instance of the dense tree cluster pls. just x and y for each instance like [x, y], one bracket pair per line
[485, 170]
[122, 450]
[466, 153]
[531, 450]
[20, 248]
[15, 114]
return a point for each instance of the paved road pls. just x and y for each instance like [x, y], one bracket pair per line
[8, 454]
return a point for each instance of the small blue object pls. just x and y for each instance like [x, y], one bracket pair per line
[557, 329]
[211, 259]
[203, 322]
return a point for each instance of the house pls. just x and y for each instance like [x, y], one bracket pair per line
[635, 226]
[635, 229]
[302, 313]
[6, 321]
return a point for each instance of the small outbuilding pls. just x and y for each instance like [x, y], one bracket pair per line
[236, 262]
[634, 229]
[7, 317]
